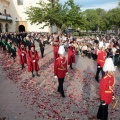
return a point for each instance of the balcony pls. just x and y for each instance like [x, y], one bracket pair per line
[6, 17]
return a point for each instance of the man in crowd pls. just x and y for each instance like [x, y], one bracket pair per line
[42, 46]
[8, 47]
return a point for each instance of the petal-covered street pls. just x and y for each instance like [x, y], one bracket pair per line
[25, 98]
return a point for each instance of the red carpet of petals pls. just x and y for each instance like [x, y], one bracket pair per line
[41, 96]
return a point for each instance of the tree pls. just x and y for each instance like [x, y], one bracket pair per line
[96, 19]
[91, 19]
[114, 16]
[55, 13]
[102, 22]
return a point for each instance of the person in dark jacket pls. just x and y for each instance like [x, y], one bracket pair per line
[8, 46]
[13, 52]
[42, 47]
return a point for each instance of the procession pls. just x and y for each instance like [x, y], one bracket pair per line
[59, 60]
[20, 50]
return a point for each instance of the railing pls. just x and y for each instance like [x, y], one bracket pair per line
[6, 17]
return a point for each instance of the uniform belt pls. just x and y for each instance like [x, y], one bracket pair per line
[102, 61]
[108, 91]
[61, 69]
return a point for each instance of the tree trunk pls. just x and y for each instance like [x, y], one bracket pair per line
[118, 32]
[59, 31]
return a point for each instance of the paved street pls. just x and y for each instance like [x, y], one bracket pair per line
[26, 98]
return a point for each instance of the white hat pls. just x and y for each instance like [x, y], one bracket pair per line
[61, 50]
[108, 66]
[101, 44]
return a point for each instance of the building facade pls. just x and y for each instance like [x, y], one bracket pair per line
[20, 23]
[5, 16]
[14, 19]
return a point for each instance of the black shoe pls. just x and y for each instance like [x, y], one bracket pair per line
[97, 79]
[23, 67]
[33, 75]
[71, 68]
[37, 75]
[63, 95]
[58, 91]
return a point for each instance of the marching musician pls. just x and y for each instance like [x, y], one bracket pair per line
[100, 61]
[106, 89]
[56, 55]
[33, 59]
[61, 69]
[71, 54]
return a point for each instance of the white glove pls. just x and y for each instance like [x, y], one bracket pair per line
[55, 76]
[22, 54]
[113, 97]
[66, 73]
[98, 66]
[33, 60]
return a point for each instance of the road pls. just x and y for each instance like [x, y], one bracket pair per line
[26, 98]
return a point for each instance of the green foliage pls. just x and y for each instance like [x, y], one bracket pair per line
[54, 13]
[95, 18]
[68, 14]
[114, 16]
[91, 18]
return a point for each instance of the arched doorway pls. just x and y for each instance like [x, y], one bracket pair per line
[1, 27]
[21, 28]
[6, 27]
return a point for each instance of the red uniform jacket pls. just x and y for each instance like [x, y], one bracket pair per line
[71, 55]
[101, 58]
[61, 67]
[55, 50]
[106, 88]
[33, 65]
[22, 55]
[56, 55]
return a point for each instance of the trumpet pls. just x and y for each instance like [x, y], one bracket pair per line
[115, 104]
[67, 77]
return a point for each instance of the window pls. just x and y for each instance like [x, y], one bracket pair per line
[6, 27]
[20, 2]
[4, 11]
[1, 27]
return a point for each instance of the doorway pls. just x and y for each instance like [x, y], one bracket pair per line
[21, 28]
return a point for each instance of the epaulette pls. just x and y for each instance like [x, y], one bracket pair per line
[105, 76]
[57, 58]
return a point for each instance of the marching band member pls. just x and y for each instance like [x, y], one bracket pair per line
[61, 69]
[106, 89]
[100, 61]
[56, 55]
[71, 54]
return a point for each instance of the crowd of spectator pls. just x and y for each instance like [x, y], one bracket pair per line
[87, 46]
